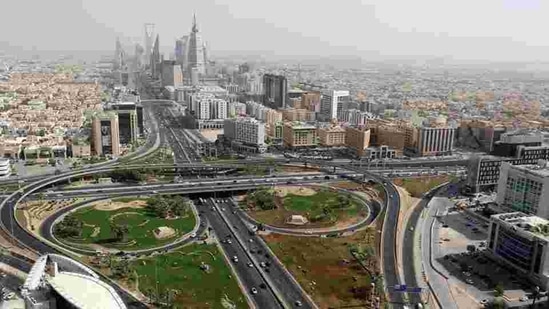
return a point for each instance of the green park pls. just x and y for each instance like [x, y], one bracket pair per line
[319, 206]
[129, 224]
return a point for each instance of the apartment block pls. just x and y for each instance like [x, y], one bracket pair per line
[355, 117]
[207, 106]
[246, 131]
[358, 140]
[299, 134]
[263, 113]
[519, 240]
[524, 188]
[105, 135]
[236, 109]
[331, 136]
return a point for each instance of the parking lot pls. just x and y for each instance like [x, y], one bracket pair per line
[460, 241]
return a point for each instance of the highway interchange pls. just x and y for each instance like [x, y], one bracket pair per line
[280, 290]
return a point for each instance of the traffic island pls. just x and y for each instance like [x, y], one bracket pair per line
[304, 207]
[127, 224]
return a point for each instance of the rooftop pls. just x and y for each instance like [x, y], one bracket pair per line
[85, 291]
[533, 225]
[541, 169]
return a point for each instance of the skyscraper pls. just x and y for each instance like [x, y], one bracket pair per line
[119, 56]
[155, 58]
[181, 51]
[196, 50]
[276, 90]
[149, 39]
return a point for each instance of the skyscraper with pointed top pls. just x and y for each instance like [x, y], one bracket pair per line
[155, 58]
[196, 56]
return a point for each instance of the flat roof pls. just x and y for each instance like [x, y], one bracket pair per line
[534, 169]
[524, 222]
[85, 291]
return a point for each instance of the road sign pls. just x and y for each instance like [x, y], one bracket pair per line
[414, 290]
[400, 287]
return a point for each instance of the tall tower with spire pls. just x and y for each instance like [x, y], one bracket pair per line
[195, 53]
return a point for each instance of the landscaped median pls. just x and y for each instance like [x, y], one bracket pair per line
[127, 223]
[335, 270]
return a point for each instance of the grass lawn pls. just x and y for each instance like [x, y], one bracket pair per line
[194, 288]
[417, 186]
[311, 207]
[162, 155]
[141, 225]
[325, 267]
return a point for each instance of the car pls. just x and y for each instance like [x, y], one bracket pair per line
[411, 229]
[229, 241]
[193, 235]
[235, 259]
[262, 264]
[251, 240]
[484, 302]
[254, 291]
[250, 264]
[298, 303]
[155, 192]
[524, 298]
[469, 281]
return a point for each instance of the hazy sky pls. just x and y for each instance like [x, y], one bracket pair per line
[465, 29]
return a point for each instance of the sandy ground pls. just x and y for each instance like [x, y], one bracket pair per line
[164, 232]
[211, 134]
[111, 206]
[295, 190]
[461, 297]
[455, 240]
[36, 212]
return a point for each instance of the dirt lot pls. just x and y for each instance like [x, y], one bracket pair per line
[163, 232]
[282, 191]
[325, 268]
[35, 212]
[112, 206]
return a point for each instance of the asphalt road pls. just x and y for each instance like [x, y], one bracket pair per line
[249, 276]
[287, 287]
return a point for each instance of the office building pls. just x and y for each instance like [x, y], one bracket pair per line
[5, 167]
[171, 74]
[206, 106]
[520, 241]
[332, 102]
[130, 120]
[358, 140]
[156, 60]
[56, 281]
[245, 133]
[105, 135]
[479, 135]
[524, 188]
[197, 51]
[181, 51]
[299, 134]
[332, 135]
[381, 152]
[512, 143]
[276, 90]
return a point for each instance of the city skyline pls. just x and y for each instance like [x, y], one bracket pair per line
[393, 28]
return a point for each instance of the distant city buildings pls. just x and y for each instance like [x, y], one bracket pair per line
[171, 74]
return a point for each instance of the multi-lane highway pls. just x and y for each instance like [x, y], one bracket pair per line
[250, 276]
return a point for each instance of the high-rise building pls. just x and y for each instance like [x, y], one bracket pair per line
[196, 50]
[181, 51]
[156, 60]
[311, 100]
[105, 135]
[520, 241]
[130, 120]
[524, 188]
[276, 90]
[149, 41]
[171, 74]
[207, 106]
[332, 102]
[119, 62]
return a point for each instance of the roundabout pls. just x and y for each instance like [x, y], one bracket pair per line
[123, 224]
[307, 209]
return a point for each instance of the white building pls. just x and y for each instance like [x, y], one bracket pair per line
[206, 106]
[5, 167]
[56, 281]
[524, 188]
[236, 109]
[521, 241]
[355, 117]
[245, 131]
[331, 102]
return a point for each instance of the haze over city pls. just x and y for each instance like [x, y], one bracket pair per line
[495, 30]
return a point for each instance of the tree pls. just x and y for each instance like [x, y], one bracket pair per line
[498, 290]
[121, 269]
[70, 226]
[120, 232]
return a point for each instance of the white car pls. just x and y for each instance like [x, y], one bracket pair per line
[193, 235]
